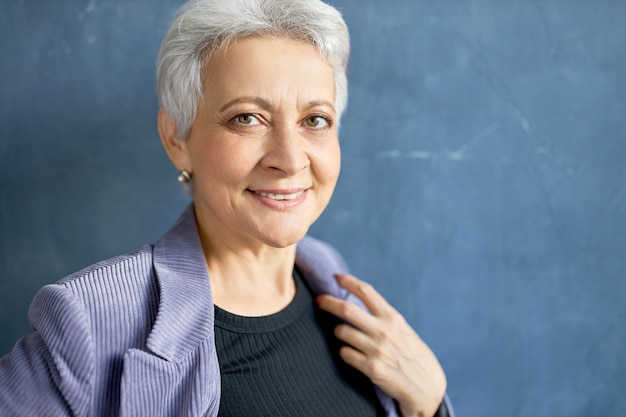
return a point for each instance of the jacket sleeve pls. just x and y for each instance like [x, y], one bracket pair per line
[50, 371]
[445, 408]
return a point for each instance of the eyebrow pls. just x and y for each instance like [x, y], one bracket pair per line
[316, 103]
[266, 104]
[252, 100]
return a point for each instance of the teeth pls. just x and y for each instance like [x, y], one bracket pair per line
[280, 197]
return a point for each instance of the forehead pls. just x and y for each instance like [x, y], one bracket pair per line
[269, 66]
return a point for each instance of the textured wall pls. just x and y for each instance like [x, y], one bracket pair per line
[483, 188]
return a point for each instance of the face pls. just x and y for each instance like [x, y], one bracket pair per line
[263, 149]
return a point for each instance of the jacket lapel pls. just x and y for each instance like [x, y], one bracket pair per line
[179, 374]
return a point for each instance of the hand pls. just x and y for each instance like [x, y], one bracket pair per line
[386, 349]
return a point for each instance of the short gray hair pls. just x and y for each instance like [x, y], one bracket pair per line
[202, 27]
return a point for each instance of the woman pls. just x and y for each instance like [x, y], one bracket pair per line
[235, 311]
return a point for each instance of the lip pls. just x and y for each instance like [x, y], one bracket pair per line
[280, 199]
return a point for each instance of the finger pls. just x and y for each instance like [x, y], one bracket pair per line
[356, 338]
[376, 369]
[372, 299]
[348, 312]
[354, 358]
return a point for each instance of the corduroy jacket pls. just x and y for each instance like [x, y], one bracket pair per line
[133, 336]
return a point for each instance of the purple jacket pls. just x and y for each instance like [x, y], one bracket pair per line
[133, 336]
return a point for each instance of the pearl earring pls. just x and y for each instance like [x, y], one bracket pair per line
[184, 176]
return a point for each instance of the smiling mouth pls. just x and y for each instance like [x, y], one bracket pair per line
[280, 197]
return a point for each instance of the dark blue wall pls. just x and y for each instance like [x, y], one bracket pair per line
[483, 188]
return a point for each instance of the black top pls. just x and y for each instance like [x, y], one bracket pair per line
[287, 364]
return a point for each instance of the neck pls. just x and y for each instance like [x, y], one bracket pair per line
[249, 278]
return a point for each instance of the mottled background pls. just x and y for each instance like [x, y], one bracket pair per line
[483, 189]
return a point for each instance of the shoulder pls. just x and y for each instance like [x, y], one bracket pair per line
[81, 323]
[319, 262]
[110, 298]
[130, 265]
[115, 283]
[315, 251]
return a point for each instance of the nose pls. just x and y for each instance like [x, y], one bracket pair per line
[286, 151]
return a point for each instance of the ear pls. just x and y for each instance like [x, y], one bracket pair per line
[176, 148]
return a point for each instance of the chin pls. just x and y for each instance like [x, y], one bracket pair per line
[282, 242]
[284, 237]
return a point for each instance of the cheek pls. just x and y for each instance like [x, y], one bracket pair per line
[334, 162]
[328, 166]
[224, 164]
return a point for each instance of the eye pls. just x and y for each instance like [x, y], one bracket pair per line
[247, 119]
[317, 122]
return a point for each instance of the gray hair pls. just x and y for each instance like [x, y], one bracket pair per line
[202, 27]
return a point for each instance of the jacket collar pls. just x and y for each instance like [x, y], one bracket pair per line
[185, 315]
